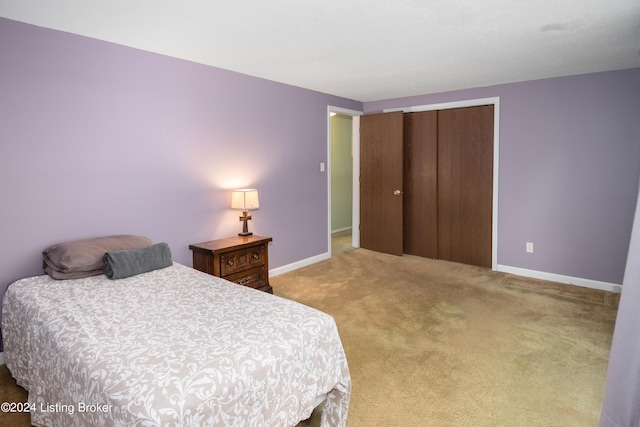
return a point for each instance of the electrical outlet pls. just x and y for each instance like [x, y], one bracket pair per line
[529, 247]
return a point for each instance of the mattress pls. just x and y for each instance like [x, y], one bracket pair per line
[172, 347]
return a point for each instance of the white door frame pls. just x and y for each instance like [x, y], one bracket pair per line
[495, 101]
[355, 155]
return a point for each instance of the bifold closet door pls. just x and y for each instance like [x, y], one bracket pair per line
[381, 182]
[465, 184]
[421, 184]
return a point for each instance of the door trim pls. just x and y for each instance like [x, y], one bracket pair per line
[355, 155]
[495, 101]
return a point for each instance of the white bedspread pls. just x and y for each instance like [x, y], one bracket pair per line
[173, 347]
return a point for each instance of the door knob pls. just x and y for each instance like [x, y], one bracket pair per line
[397, 192]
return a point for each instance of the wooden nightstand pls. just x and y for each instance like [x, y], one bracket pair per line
[240, 259]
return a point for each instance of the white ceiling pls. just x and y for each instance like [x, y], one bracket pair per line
[364, 49]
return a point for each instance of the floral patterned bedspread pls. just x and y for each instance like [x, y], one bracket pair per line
[173, 347]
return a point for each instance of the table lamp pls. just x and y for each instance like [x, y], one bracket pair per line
[245, 199]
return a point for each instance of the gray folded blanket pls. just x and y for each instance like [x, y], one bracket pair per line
[127, 263]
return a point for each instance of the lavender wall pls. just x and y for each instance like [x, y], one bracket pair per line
[98, 139]
[569, 167]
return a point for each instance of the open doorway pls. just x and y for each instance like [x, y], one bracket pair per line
[341, 183]
[343, 180]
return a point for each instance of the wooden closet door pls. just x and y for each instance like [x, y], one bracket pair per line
[421, 184]
[465, 185]
[380, 178]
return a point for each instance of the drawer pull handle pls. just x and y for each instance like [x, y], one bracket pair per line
[230, 262]
[256, 256]
[244, 280]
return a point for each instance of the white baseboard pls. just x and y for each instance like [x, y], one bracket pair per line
[587, 283]
[339, 230]
[298, 264]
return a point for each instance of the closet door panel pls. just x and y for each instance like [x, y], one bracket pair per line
[381, 182]
[465, 185]
[420, 212]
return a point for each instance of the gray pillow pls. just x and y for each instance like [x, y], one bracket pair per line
[83, 258]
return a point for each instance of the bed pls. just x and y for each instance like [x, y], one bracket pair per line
[170, 347]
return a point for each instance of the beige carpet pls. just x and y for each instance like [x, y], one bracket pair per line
[11, 393]
[433, 343]
[341, 242]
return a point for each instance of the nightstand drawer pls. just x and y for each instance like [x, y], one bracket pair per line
[239, 260]
[253, 278]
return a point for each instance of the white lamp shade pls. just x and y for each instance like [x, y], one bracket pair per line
[245, 199]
